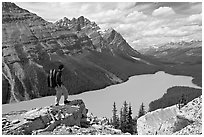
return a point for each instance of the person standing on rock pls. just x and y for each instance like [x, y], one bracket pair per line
[55, 81]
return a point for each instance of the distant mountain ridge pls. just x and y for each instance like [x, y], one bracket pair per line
[179, 51]
[31, 46]
[183, 58]
[171, 45]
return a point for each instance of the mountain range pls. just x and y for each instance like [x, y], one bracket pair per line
[183, 58]
[93, 59]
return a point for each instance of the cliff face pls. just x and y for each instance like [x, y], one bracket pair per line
[171, 120]
[31, 46]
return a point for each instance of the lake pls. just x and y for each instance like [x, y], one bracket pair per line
[138, 89]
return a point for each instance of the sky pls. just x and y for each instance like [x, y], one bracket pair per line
[142, 24]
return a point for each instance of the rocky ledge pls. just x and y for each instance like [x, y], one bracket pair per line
[71, 119]
[171, 120]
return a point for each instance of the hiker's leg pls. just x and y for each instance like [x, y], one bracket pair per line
[58, 94]
[65, 92]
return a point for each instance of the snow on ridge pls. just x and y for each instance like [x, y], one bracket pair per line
[139, 59]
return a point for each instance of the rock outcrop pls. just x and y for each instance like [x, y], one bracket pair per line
[92, 130]
[71, 119]
[47, 118]
[171, 120]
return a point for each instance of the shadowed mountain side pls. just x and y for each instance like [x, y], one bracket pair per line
[92, 70]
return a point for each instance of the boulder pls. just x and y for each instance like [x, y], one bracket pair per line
[170, 120]
[15, 121]
[48, 118]
[85, 122]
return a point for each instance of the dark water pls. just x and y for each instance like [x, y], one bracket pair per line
[138, 89]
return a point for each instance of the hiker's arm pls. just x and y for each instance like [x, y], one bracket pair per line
[59, 79]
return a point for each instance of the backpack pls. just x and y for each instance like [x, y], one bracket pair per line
[51, 78]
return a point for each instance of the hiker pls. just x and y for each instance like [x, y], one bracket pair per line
[55, 81]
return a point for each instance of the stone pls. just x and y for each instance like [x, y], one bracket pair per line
[15, 121]
[51, 127]
[85, 122]
[76, 127]
[127, 133]
[116, 131]
[48, 118]
[171, 120]
[4, 119]
[99, 127]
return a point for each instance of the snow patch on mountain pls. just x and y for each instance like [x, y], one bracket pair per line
[139, 59]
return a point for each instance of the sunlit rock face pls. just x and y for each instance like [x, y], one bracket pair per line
[171, 120]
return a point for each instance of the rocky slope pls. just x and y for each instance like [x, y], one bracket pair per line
[71, 119]
[31, 46]
[171, 120]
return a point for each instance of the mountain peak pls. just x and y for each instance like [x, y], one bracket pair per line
[65, 18]
[9, 7]
[75, 23]
[13, 13]
[110, 31]
[81, 17]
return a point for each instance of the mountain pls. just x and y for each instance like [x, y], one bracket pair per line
[31, 46]
[181, 58]
[109, 41]
[178, 52]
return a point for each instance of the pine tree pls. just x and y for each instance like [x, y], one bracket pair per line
[134, 121]
[125, 111]
[130, 121]
[115, 117]
[141, 110]
[121, 118]
[124, 117]
[130, 114]
[111, 121]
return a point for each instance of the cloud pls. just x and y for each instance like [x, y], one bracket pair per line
[165, 32]
[125, 5]
[163, 12]
[195, 18]
[141, 24]
[135, 16]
